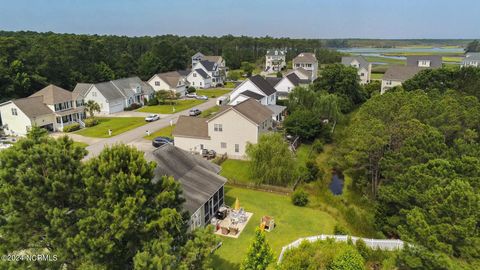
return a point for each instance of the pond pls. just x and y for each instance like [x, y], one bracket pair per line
[336, 186]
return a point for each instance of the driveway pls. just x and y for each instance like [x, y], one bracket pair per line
[135, 136]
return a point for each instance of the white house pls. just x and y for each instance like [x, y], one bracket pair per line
[175, 81]
[51, 108]
[228, 131]
[199, 78]
[308, 62]
[217, 59]
[364, 68]
[471, 60]
[114, 96]
[286, 84]
[396, 75]
[275, 60]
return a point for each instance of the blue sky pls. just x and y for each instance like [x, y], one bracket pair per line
[278, 18]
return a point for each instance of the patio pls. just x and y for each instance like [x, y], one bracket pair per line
[233, 224]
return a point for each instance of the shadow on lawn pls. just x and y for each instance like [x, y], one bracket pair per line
[229, 200]
[220, 263]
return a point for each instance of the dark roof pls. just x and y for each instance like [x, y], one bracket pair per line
[263, 85]
[199, 178]
[184, 72]
[191, 127]
[435, 60]
[53, 94]
[202, 73]
[209, 65]
[347, 60]
[293, 78]
[273, 80]
[32, 106]
[401, 73]
[251, 94]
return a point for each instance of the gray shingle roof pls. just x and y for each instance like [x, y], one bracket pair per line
[202, 73]
[401, 73]
[293, 78]
[32, 106]
[251, 94]
[53, 94]
[199, 178]
[263, 85]
[275, 52]
[472, 56]
[109, 91]
[127, 85]
[305, 58]
[253, 110]
[191, 127]
[435, 60]
[347, 61]
[209, 65]
[81, 89]
[273, 81]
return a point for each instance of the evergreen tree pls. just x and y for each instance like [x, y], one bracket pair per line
[259, 254]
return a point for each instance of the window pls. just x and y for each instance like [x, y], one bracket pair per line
[200, 83]
[157, 83]
[193, 83]
[218, 127]
[237, 148]
[362, 74]
[14, 111]
[94, 94]
[201, 146]
[194, 74]
[223, 145]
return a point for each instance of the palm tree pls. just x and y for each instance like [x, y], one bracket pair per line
[91, 107]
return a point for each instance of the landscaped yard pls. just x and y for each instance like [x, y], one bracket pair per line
[118, 125]
[80, 144]
[180, 105]
[210, 112]
[377, 76]
[213, 93]
[164, 132]
[236, 170]
[292, 222]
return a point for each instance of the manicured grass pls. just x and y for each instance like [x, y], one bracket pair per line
[452, 59]
[80, 144]
[118, 125]
[377, 76]
[210, 112]
[236, 170]
[164, 132]
[292, 222]
[180, 105]
[213, 93]
[229, 85]
[386, 60]
[422, 53]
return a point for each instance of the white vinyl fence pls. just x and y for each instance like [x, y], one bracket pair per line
[384, 244]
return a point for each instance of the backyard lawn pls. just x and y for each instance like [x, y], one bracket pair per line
[377, 76]
[180, 105]
[118, 125]
[213, 93]
[210, 112]
[164, 132]
[236, 170]
[292, 222]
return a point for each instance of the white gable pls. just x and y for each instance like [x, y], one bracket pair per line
[244, 86]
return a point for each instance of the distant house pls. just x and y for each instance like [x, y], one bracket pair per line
[396, 75]
[275, 60]
[218, 60]
[424, 61]
[308, 62]
[202, 186]
[364, 68]
[205, 74]
[114, 96]
[471, 60]
[255, 87]
[51, 108]
[286, 84]
[175, 81]
[228, 131]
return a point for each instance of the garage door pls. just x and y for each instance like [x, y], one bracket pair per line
[116, 107]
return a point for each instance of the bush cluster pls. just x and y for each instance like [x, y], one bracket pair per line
[132, 107]
[299, 197]
[72, 127]
[90, 122]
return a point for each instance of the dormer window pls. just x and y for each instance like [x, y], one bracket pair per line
[14, 111]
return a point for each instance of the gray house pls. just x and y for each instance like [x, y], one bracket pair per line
[471, 60]
[364, 68]
[203, 187]
[424, 61]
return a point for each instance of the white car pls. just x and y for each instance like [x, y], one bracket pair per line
[191, 95]
[152, 117]
[202, 97]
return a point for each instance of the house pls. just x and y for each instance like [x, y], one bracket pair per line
[202, 186]
[51, 108]
[199, 78]
[424, 61]
[175, 81]
[396, 75]
[228, 132]
[302, 73]
[275, 60]
[471, 60]
[286, 84]
[114, 96]
[217, 59]
[364, 68]
[205, 74]
[308, 62]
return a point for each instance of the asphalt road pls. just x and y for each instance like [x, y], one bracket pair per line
[135, 136]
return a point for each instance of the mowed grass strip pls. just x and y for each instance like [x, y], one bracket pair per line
[118, 125]
[236, 170]
[213, 93]
[163, 132]
[180, 105]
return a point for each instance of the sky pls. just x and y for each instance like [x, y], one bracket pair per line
[277, 18]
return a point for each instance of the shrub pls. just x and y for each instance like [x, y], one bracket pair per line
[132, 107]
[191, 89]
[90, 122]
[362, 248]
[279, 74]
[317, 146]
[72, 127]
[299, 197]
[340, 230]
[312, 171]
[152, 102]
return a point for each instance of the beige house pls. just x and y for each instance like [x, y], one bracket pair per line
[308, 62]
[228, 131]
[275, 60]
[364, 68]
[51, 108]
[175, 81]
[396, 75]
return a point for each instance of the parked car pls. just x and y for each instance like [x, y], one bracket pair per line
[191, 95]
[202, 97]
[152, 117]
[194, 112]
[159, 141]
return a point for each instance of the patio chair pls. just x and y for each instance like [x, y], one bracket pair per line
[225, 230]
[233, 230]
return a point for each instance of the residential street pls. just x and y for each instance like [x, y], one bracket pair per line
[135, 136]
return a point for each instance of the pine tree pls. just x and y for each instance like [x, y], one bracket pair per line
[259, 254]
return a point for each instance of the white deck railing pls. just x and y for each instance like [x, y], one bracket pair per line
[384, 244]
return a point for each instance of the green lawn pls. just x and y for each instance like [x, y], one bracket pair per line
[386, 60]
[229, 85]
[452, 59]
[118, 125]
[292, 222]
[304, 153]
[210, 112]
[80, 144]
[164, 132]
[213, 93]
[377, 76]
[180, 105]
[236, 170]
